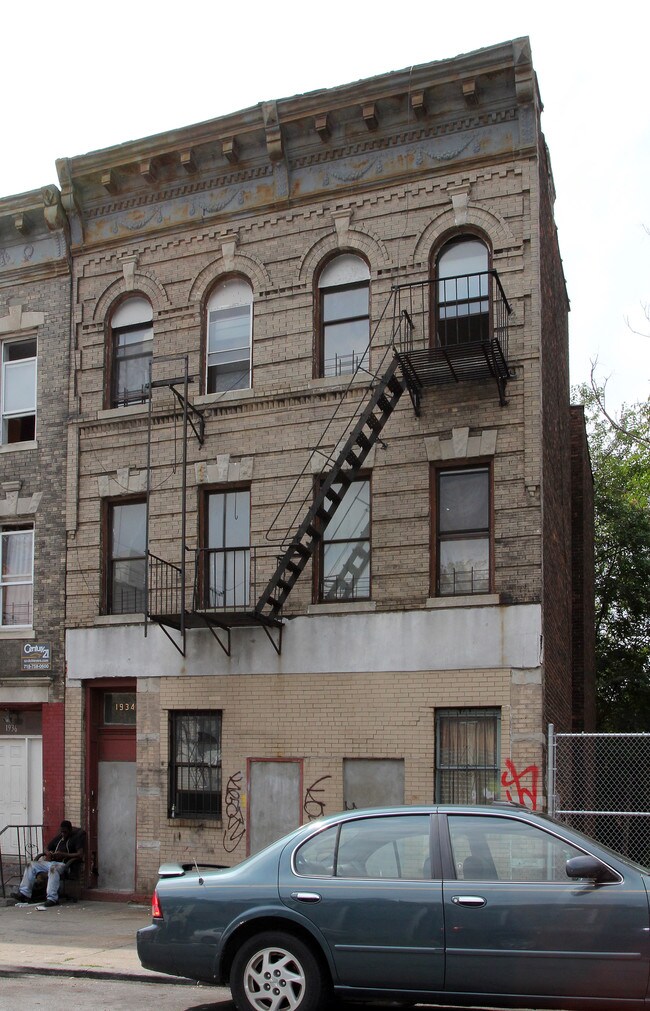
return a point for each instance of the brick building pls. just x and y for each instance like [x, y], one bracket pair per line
[319, 512]
[34, 348]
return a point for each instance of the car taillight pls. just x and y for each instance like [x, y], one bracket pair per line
[156, 911]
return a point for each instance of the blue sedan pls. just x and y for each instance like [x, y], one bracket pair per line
[491, 905]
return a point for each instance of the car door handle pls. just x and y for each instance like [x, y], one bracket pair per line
[306, 896]
[469, 900]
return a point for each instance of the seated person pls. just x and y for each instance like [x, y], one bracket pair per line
[65, 849]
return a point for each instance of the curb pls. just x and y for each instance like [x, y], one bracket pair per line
[105, 974]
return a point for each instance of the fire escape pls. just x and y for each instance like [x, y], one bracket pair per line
[444, 331]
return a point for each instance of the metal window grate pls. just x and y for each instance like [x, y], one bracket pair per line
[195, 782]
[467, 750]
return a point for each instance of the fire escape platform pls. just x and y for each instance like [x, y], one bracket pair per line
[219, 619]
[454, 363]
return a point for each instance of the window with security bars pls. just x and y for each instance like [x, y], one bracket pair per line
[467, 755]
[195, 764]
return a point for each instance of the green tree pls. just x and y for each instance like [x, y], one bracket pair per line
[620, 459]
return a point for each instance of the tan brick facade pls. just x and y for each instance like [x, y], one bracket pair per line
[353, 680]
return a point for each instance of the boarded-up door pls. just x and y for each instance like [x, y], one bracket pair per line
[112, 787]
[274, 800]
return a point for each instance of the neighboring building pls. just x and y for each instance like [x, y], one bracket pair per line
[414, 638]
[34, 350]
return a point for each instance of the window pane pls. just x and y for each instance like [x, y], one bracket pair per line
[345, 346]
[127, 591]
[131, 311]
[465, 566]
[464, 502]
[133, 342]
[127, 563]
[352, 518]
[229, 519]
[227, 560]
[129, 530]
[19, 387]
[120, 708]
[316, 856]
[394, 847]
[345, 304]
[504, 849]
[17, 555]
[345, 550]
[466, 257]
[17, 605]
[229, 328]
[346, 571]
[344, 269]
[14, 351]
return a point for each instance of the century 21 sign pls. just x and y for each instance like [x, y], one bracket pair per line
[36, 656]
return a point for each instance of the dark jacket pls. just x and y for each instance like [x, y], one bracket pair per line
[76, 841]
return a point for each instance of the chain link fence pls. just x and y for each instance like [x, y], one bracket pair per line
[600, 784]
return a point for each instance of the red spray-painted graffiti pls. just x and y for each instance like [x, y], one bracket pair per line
[524, 783]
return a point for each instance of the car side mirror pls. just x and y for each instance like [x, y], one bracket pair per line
[589, 867]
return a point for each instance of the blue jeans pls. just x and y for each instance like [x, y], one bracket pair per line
[54, 870]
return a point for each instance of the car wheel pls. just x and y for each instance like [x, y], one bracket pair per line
[276, 972]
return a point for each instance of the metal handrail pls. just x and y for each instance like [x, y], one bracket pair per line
[29, 843]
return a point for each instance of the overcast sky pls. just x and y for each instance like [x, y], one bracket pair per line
[78, 76]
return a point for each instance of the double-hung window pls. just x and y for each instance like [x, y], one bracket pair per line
[344, 571]
[462, 531]
[18, 391]
[127, 557]
[463, 292]
[16, 575]
[226, 568]
[230, 328]
[195, 764]
[132, 345]
[467, 756]
[344, 286]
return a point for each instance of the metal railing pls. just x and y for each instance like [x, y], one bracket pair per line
[441, 312]
[165, 587]
[19, 845]
[223, 578]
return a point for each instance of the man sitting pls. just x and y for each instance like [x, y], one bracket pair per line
[62, 851]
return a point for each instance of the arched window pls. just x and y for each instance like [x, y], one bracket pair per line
[131, 346]
[344, 286]
[230, 319]
[463, 291]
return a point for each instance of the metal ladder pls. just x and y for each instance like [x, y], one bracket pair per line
[382, 403]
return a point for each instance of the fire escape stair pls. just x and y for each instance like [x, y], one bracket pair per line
[383, 401]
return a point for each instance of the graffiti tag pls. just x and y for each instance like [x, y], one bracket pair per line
[524, 784]
[313, 807]
[235, 824]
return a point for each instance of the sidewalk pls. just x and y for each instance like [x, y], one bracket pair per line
[83, 938]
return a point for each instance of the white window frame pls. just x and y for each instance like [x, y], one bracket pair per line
[8, 531]
[236, 293]
[347, 272]
[7, 367]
